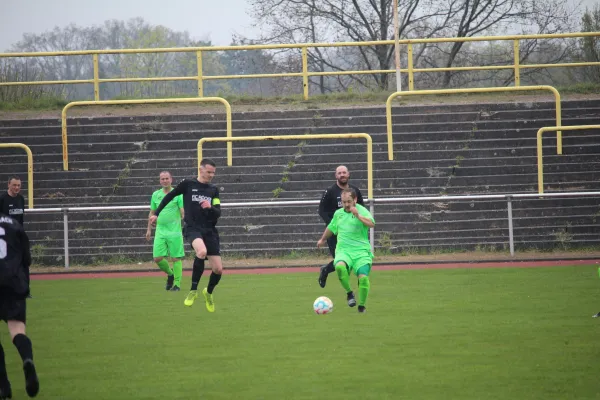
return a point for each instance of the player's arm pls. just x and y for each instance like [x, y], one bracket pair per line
[365, 218]
[331, 230]
[149, 230]
[214, 207]
[182, 212]
[326, 235]
[324, 208]
[25, 254]
[26, 249]
[179, 189]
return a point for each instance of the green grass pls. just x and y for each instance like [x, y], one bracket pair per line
[34, 103]
[428, 334]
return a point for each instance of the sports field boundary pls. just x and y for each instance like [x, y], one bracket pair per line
[299, 269]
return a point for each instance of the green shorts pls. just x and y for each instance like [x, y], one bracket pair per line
[354, 260]
[168, 246]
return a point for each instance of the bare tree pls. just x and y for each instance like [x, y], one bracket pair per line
[297, 21]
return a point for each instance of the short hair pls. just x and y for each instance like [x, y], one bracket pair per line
[351, 191]
[15, 177]
[166, 172]
[207, 161]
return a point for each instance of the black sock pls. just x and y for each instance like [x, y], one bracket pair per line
[197, 272]
[330, 267]
[213, 281]
[3, 376]
[23, 345]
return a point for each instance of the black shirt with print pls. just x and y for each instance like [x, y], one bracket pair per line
[14, 207]
[194, 193]
[332, 201]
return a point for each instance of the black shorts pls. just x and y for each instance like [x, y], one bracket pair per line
[12, 308]
[210, 237]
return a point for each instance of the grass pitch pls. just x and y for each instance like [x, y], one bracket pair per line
[427, 334]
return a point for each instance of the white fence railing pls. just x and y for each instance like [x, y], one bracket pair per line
[508, 197]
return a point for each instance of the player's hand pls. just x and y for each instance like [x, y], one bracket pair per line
[152, 220]
[205, 204]
[354, 211]
[320, 243]
[148, 234]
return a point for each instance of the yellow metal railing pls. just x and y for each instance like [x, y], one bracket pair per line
[388, 106]
[304, 137]
[540, 161]
[29, 168]
[143, 101]
[516, 66]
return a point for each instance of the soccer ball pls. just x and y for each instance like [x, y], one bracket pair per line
[323, 305]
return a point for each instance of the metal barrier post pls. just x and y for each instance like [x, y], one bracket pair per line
[388, 107]
[96, 78]
[200, 76]
[411, 72]
[66, 235]
[29, 168]
[540, 155]
[517, 62]
[305, 72]
[511, 240]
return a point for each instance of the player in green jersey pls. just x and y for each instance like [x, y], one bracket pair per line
[168, 240]
[353, 251]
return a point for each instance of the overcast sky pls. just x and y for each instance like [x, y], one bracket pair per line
[216, 20]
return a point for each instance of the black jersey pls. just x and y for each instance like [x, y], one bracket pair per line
[332, 201]
[14, 207]
[194, 193]
[15, 257]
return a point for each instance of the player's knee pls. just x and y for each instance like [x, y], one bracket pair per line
[158, 259]
[364, 282]
[340, 266]
[201, 254]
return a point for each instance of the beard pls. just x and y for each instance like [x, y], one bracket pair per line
[343, 181]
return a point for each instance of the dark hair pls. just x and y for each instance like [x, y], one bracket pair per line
[351, 191]
[13, 177]
[207, 161]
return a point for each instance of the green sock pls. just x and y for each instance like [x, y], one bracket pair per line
[164, 265]
[177, 272]
[363, 290]
[342, 273]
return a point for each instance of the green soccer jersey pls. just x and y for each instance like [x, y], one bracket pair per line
[352, 235]
[169, 220]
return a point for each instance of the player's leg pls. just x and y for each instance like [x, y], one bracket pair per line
[5, 389]
[160, 252]
[330, 267]
[177, 253]
[213, 247]
[16, 327]
[341, 267]
[362, 271]
[195, 238]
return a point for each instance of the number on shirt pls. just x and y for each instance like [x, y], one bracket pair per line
[2, 244]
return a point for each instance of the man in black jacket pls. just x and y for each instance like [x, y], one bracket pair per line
[330, 203]
[15, 259]
[12, 203]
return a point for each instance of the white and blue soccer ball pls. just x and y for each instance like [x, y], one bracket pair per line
[323, 305]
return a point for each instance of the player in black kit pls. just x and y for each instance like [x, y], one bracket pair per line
[15, 259]
[202, 209]
[330, 203]
[12, 203]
